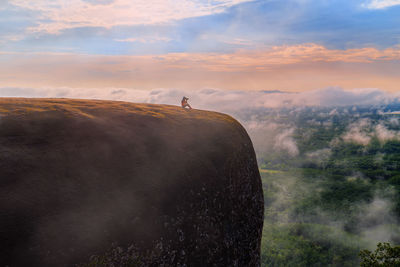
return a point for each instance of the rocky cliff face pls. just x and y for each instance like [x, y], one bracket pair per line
[181, 186]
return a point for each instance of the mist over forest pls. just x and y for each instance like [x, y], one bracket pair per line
[331, 178]
[329, 161]
[331, 181]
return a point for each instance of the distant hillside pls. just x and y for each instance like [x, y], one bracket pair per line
[331, 177]
[180, 186]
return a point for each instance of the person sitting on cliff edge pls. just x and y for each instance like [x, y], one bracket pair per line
[185, 103]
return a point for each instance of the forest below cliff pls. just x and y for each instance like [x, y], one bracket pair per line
[331, 179]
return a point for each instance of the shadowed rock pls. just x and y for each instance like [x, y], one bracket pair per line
[76, 176]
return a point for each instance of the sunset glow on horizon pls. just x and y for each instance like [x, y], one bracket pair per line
[293, 45]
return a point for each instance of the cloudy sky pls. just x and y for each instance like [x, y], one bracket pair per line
[289, 45]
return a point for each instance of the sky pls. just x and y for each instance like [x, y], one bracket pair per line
[191, 45]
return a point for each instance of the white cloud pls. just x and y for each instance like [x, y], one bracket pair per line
[285, 142]
[384, 134]
[234, 100]
[333, 112]
[362, 131]
[394, 121]
[320, 155]
[380, 4]
[358, 132]
[57, 15]
[146, 39]
[219, 100]
[376, 222]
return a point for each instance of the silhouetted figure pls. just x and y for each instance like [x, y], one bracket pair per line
[185, 103]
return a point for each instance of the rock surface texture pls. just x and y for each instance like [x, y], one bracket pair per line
[180, 186]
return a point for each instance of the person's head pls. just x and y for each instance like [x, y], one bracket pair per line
[185, 98]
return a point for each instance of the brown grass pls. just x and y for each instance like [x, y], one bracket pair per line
[98, 108]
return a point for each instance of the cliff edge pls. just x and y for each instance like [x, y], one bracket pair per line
[180, 186]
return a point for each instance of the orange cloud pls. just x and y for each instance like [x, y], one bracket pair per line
[279, 55]
[292, 68]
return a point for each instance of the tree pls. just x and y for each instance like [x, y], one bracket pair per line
[384, 256]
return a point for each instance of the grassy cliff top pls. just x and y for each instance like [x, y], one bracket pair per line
[99, 108]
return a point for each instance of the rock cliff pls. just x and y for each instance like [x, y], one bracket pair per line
[181, 186]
